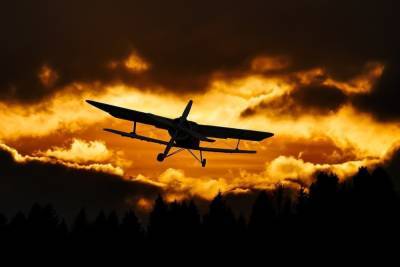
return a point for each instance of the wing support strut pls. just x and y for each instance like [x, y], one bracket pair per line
[134, 127]
[237, 145]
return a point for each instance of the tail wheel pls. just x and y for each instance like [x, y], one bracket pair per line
[203, 163]
[160, 157]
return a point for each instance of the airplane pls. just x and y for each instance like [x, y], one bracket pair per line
[185, 134]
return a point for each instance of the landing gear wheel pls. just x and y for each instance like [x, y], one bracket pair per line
[203, 163]
[160, 157]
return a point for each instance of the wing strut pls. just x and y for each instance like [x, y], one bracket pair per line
[237, 145]
[134, 127]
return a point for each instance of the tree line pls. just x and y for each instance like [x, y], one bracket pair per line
[356, 211]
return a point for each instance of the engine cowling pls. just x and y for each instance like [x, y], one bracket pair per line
[183, 138]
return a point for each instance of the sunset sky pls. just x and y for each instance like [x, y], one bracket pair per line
[323, 76]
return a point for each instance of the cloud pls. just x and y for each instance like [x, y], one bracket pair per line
[290, 168]
[392, 164]
[269, 64]
[81, 151]
[67, 116]
[311, 99]
[185, 45]
[286, 170]
[25, 180]
[135, 63]
[95, 166]
[319, 97]
[382, 100]
[70, 186]
[315, 92]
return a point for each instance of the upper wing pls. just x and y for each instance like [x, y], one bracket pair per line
[133, 115]
[225, 132]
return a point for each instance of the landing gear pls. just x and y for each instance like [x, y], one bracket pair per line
[201, 159]
[160, 157]
[203, 163]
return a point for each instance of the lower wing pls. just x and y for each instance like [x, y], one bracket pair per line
[225, 132]
[162, 142]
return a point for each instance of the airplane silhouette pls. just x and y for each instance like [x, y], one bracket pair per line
[185, 134]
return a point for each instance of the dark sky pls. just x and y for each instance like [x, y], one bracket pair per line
[188, 41]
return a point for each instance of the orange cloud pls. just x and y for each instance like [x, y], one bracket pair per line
[180, 176]
[269, 63]
[363, 82]
[102, 167]
[81, 151]
[177, 185]
[68, 112]
[144, 204]
[135, 63]
[48, 76]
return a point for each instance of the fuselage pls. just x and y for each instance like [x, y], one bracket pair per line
[182, 138]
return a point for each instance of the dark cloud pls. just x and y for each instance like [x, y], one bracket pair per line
[310, 99]
[392, 165]
[325, 98]
[185, 41]
[383, 100]
[68, 189]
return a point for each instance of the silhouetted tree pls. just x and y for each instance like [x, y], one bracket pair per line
[384, 187]
[80, 227]
[113, 221]
[99, 229]
[262, 217]
[192, 220]
[302, 201]
[323, 193]
[158, 221]
[219, 222]
[42, 222]
[3, 224]
[18, 228]
[362, 197]
[353, 212]
[363, 182]
[279, 197]
[131, 230]
[62, 230]
[241, 228]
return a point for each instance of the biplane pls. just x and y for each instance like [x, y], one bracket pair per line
[185, 134]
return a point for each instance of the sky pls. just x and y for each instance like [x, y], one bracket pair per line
[323, 76]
